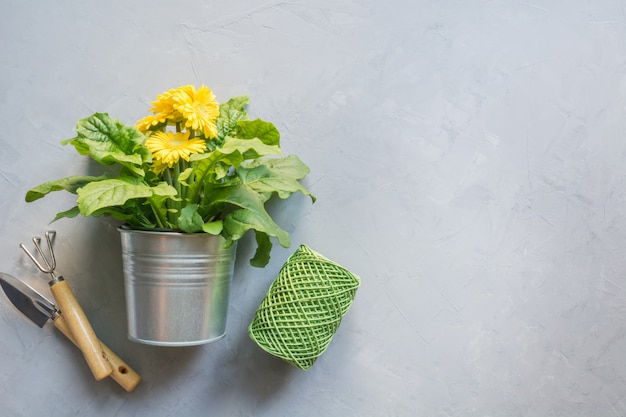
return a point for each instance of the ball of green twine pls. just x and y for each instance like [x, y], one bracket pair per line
[303, 308]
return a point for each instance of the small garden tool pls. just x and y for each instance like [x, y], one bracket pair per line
[75, 317]
[40, 310]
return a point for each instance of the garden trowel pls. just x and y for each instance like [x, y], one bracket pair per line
[39, 310]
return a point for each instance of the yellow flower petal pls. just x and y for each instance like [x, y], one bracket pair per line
[164, 105]
[148, 122]
[158, 166]
[198, 108]
[168, 148]
[163, 111]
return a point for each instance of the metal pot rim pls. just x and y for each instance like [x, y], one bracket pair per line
[158, 231]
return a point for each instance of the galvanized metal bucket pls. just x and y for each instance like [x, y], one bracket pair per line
[177, 286]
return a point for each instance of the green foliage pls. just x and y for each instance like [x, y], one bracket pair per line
[222, 191]
[71, 184]
[108, 141]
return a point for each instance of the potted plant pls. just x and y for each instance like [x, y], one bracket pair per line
[188, 181]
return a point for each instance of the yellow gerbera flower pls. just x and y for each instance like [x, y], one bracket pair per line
[163, 110]
[158, 166]
[169, 147]
[164, 106]
[198, 108]
[147, 122]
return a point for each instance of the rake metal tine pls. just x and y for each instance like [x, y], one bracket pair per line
[53, 265]
[50, 263]
[32, 257]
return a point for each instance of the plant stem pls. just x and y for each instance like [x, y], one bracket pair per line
[177, 204]
[182, 166]
[168, 203]
[161, 221]
[199, 181]
[168, 176]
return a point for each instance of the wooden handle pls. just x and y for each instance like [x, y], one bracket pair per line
[80, 328]
[122, 373]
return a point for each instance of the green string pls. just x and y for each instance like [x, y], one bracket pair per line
[303, 308]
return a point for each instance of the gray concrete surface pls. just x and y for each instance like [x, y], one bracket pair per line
[469, 163]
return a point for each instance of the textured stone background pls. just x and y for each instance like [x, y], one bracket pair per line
[469, 163]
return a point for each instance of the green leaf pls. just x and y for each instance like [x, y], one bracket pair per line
[275, 175]
[189, 220]
[70, 184]
[115, 192]
[161, 193]
[265, 131]
[109, 141]
[238, 222]
[184, 176]
[213, 228]
[70, 214]
[244, 149]
[250, 215]
[264, 247]
[126, 214]
[163, 189]
[255, 183]
[231, 113]
[232, 153]
[235, 150]
[233, 193]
